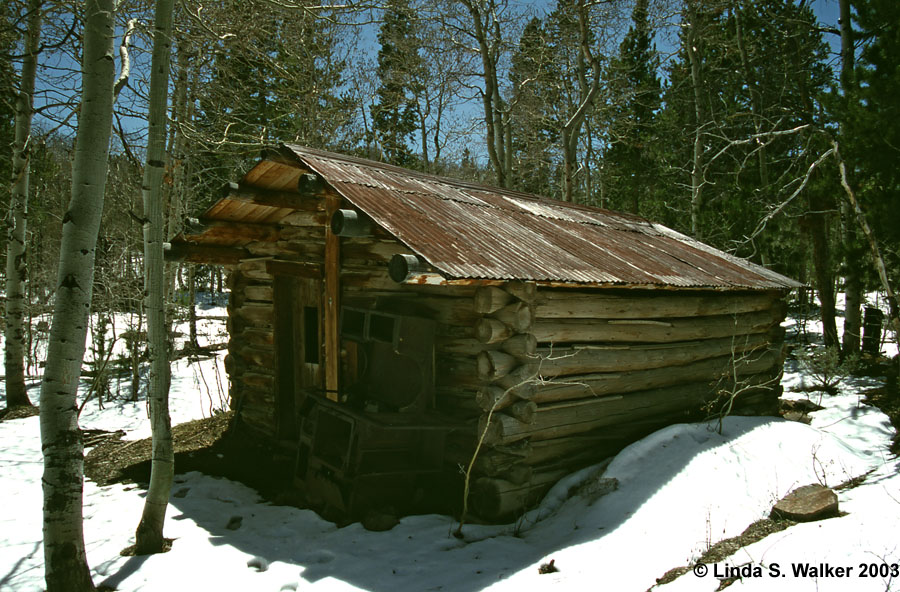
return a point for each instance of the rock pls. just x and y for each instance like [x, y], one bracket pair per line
[258, 563]
[234, 522]
[379, 521]
[549, 567]
[807, 504]
[798, 410]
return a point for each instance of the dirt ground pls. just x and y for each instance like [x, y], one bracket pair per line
[204, 445]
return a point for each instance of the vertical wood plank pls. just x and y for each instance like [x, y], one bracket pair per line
[332, 300]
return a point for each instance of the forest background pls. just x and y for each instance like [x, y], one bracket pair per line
[718, 118]
[751, 125]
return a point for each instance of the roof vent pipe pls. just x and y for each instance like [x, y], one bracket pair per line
[350, 223]
[402, 267]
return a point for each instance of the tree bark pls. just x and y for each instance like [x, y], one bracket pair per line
[149, 536]
[696, 84]
[853, 285]
[818, 230]
[881, 268]
[16, 273]
[571, 131]
[487, 32]
[65, 563]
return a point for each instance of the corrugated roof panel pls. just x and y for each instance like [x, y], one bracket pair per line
[470, 231]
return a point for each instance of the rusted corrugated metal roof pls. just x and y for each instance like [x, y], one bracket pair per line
[469, 231]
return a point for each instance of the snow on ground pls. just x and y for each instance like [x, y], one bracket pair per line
[681, 489]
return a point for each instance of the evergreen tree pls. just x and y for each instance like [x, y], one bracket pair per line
[533, 124]
[630, 160]
[875, 141]
[273, 76]
[8, 85]
[394, 115]
[762, 72]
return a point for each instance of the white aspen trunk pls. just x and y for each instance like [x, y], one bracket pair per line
[149, 534]
[66, 568]
[491, 99]
[571, 131]
[16, 273]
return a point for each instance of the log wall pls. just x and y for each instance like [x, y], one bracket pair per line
[568, 377]
[552, 379]
[250, 362]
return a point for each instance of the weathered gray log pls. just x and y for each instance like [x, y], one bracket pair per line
[490, 299]
[522, 346]
[258, 380]
[575, 417]
[447, 310]
[373, 277]
[305, 219]
[592, 385]
[491, 461]
[524, 411]
[256, 313]
[584, 359]
[494, 364]
[462, 346]
[519, 316]
[488, 330]
[652, 331]
[524, 291]
[259, 292]
[494, 397]
[561, 304]
[569, 418]
[261, 356]
[255, 268]
[496, 499]
[453, 371]
[283, 249]
[522, 379]
[258, 336]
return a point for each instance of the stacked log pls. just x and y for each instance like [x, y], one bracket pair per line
[250, 362]
[548, 379]
[569, 377]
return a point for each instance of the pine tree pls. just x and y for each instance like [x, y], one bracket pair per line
[535, 134]
[630, 160]
[761, 69]
[869, 133]
[272, 75]
[394, 116]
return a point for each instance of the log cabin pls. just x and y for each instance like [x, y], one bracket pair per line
[384, 324]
